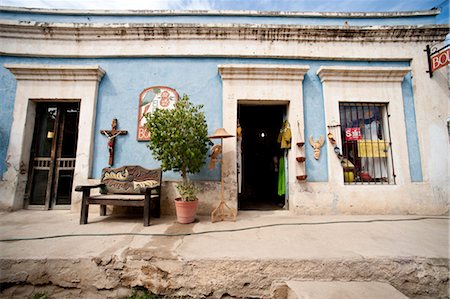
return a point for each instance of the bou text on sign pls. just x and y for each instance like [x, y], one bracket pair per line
[440, 59]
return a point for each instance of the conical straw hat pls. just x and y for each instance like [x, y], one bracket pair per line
[220, 133]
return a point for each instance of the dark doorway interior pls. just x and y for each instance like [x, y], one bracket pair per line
[52, 157]
[260, 125]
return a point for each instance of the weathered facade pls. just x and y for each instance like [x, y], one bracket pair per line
[309, 66]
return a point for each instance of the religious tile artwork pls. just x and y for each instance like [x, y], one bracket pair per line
[150, 99]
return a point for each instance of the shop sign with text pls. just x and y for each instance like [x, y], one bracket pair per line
[440, 59]
[437, 58]
[353, 134]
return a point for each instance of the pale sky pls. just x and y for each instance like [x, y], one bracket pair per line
[267, 5]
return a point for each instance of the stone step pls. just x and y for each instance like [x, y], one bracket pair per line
[341, 290]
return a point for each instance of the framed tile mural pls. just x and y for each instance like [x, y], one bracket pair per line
[150, 99]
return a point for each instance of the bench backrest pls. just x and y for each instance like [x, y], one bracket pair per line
[129, 179]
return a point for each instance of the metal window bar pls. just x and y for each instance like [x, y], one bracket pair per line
[366, 144]
[387, 114]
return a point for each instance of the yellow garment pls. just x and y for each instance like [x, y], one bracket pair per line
[372, 148]
[239, 131]
[285, 136]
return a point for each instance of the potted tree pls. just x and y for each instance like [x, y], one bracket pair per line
[179, 140]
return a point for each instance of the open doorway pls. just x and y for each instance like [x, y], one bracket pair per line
[259, 159]
[52, 156]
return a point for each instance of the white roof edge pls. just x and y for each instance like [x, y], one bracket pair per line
[211, 25]
[252, 13]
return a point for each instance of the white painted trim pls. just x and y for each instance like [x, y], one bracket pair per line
[376, 43]
[253, 13]
[50, 83]
[38, 72]
[262, 72]
[260, 84]
[366, 85]
[362, 74]
[262, 32]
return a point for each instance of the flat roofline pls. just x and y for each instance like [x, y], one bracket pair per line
[129, 25]
[12, 29]
[247, 13]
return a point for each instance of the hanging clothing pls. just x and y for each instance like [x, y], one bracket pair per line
[281, 177]
[239, 131]
[372, 148]
[373, 151]
[239, 162]
[285, 136]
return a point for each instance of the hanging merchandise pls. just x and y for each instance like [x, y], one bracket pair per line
[316, 145]
[373, 151]
[238, 129]
[284, 138]
[216, 150]
[239, 155]
[347, 165]
[372, 148]
[336, 148]
[281, 177]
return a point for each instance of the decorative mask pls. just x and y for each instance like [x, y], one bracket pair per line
[316, 145]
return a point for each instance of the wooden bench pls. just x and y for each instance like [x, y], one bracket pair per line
[133, 186]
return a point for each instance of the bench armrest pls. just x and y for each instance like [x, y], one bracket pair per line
[81, 188]
[148, 190]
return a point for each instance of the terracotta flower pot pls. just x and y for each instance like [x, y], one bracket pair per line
[186, 210]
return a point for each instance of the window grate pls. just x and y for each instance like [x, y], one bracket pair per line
[366, 144]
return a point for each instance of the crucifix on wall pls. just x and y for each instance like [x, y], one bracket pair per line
[112, 134]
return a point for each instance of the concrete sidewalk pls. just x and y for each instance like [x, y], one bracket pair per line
[246, 258]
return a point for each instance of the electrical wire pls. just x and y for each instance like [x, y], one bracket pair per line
[220, 231]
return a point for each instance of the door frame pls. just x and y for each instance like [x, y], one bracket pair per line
[253, 83]
[55, 159]
[54, 83]
[268, 103]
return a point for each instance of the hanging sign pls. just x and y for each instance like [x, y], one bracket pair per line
[150, 99]
[353, 134]
[437, 58]
[440, 59]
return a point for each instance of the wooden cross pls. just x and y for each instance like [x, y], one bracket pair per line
[112, 134]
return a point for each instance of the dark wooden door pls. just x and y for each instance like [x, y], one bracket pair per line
[52, 158]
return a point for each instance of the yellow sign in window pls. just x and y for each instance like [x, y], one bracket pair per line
[372, 148]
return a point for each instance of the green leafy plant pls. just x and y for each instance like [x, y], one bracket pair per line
[142, 293]
[39, 296]
[188, 191]
[179, 140]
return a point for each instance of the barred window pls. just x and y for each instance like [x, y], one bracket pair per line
[366, 144]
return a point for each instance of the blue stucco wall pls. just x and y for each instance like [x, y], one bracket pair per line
[415, 166]
[7, 95]
[125, 79]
